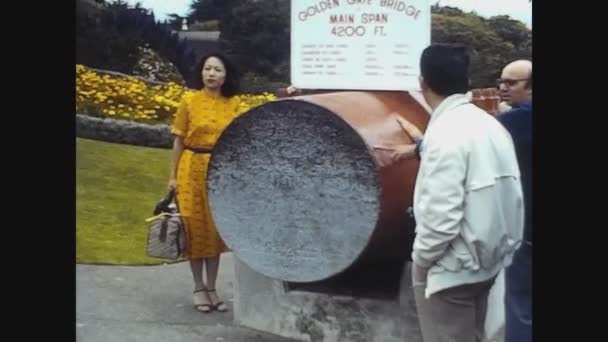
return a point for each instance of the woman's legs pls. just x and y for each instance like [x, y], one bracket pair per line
[196, 266]
[200, 296]
[212, 265]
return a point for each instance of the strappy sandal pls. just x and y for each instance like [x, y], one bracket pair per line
[219, 306]
[199, 301]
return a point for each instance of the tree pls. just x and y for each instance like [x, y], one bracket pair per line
[447, 10]
[111, 38]
[510, 30]
[175, 21]
[492, 42]
[256, 34]
[108, 39]
[204, 10]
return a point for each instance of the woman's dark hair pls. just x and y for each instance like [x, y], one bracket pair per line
[231, 83]
[445, 69]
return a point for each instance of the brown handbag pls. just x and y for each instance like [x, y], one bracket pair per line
[166, 236]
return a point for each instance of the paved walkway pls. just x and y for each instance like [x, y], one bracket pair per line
[153, 304]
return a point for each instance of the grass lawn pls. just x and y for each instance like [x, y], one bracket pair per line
[117, 187]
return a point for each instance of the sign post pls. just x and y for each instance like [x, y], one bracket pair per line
[358, 44]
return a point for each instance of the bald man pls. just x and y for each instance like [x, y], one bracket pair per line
[516, 82]
[516, 87]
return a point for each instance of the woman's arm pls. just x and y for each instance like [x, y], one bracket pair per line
[178, 149]
[179, 130]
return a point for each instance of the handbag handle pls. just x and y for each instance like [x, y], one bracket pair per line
[163, 204]
[171, 194]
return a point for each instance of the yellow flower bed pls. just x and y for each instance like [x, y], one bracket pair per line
[133, 99]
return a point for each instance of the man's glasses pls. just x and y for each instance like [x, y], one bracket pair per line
[509, 82]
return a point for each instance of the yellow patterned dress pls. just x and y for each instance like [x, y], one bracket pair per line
[200, 119]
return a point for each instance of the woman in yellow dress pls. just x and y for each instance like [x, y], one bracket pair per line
[199, 121]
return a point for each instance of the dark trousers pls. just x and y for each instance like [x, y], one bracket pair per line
[518, 297]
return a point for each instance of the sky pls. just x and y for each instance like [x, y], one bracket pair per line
[517, 9]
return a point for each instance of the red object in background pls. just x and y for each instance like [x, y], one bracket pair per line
[487, 99]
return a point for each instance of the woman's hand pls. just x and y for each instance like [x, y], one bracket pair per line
[172, 184]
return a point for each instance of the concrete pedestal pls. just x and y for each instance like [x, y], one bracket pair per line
[267, 305]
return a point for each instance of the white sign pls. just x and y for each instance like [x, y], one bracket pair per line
[358, 44]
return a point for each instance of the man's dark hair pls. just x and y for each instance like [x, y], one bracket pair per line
[231, 83]
[445, 69]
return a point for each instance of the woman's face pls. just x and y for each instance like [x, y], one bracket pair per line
[214, 73]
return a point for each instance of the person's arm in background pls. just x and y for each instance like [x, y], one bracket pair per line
[291, 90]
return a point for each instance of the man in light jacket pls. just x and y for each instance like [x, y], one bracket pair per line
[468, 203]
